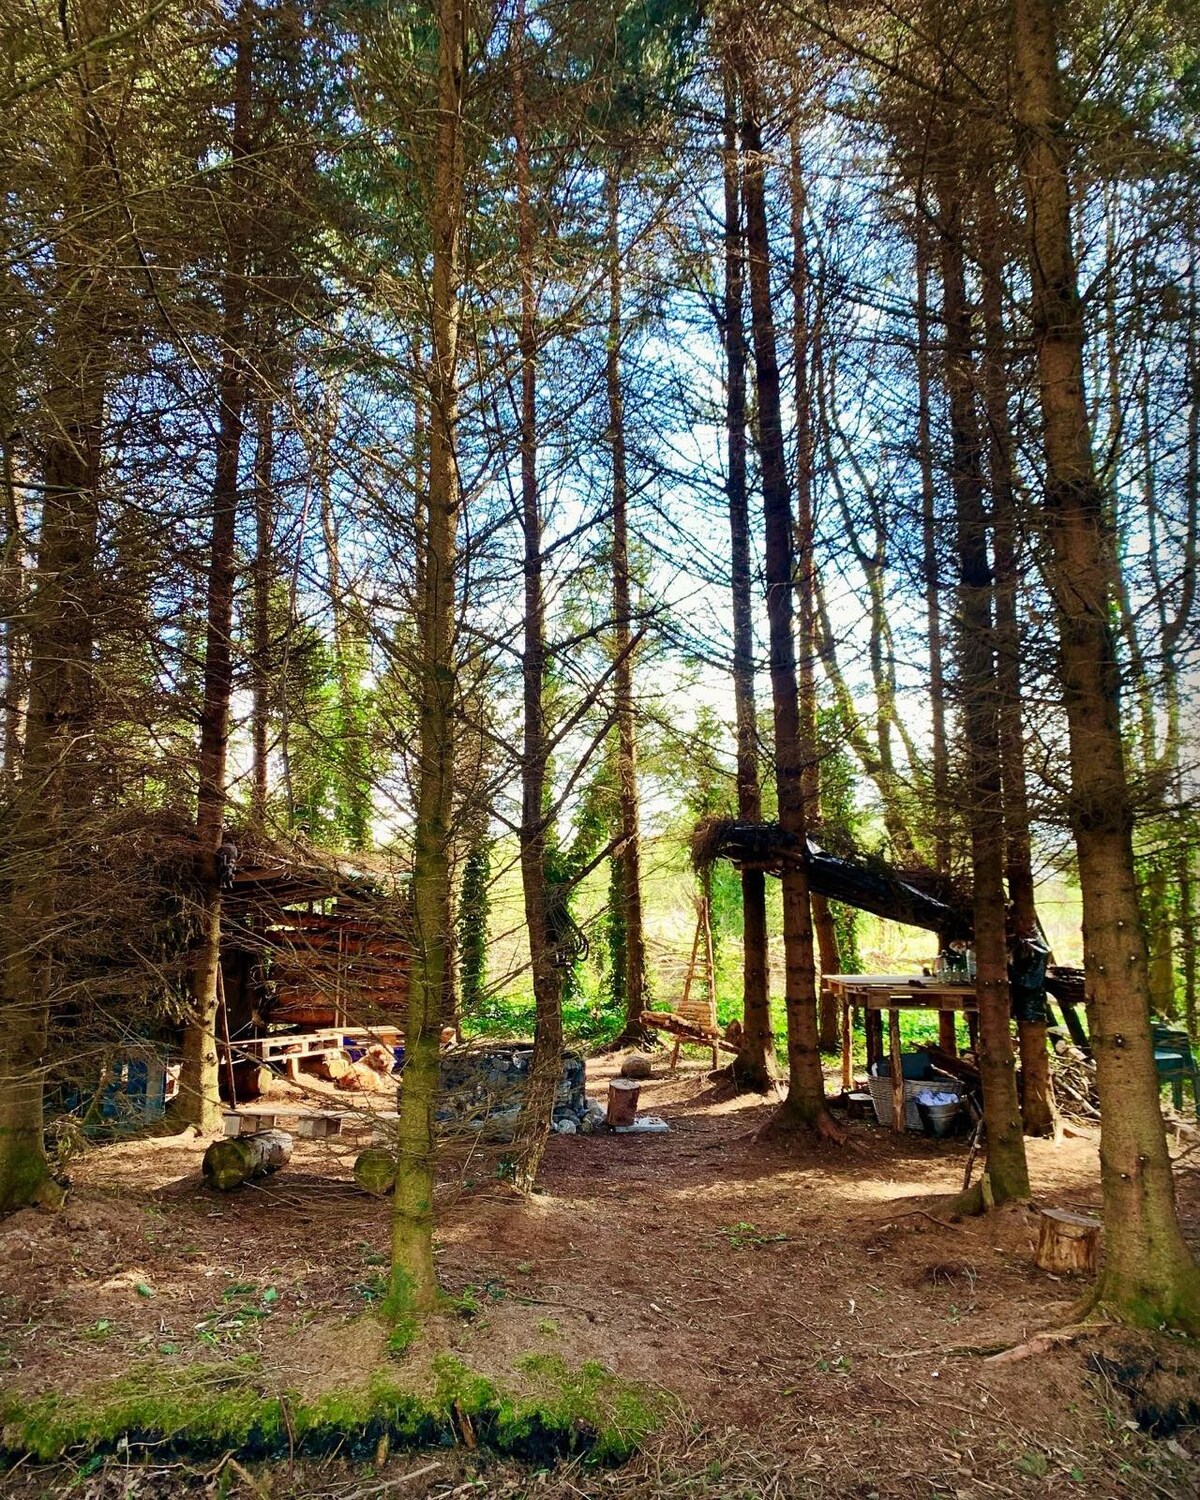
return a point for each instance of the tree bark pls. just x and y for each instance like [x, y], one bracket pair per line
[633, 1032]
[537, 1105]
[52, 787]
[414, 1289]
[12, 584]
[198, 1101]
[260, 626]
[984, 811]
[754, 1066]
[806, 569]
[930, 569]
[1149, 1275]
[805, 1101]
[1037, 1090]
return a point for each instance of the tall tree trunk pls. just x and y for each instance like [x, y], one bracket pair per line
[1037, 1091]
[537, 1109]
[353, 769]
[1149, 1275]
[980, 719]
[260, 625]
[930, 570]
[414, 1288]
[199, 1088]
[52, 788]
[805, 1101]
[754, 1066]
[12, 584]
[806, 569]
[633, 1032]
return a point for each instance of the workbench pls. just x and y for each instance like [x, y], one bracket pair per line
[892, 993]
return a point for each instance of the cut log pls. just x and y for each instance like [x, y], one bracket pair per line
[1067, 1243]
[622, 1101]
[380, 1059]
[375, 1171]
[361, 1078]
[230, 1162]
[334, 1065]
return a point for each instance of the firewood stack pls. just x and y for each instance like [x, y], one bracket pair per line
[1074, 1076]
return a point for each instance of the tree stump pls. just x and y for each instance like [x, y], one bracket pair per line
[1067, 1243]
[375, 1171]
[229, 1163]
[622, 1101]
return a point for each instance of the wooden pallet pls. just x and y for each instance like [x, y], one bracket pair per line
[282, 1046]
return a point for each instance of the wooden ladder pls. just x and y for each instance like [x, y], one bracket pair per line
[701, 1013]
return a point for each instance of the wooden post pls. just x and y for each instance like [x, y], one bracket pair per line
[227, 1046]
[973, 1030]
[710, 964]
[874, 1026]
[897, 1071]
[691, 969]
[847, 1047]
[947, 1032]
[1067, 1243]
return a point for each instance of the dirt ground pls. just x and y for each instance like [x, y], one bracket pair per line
[822, 1329]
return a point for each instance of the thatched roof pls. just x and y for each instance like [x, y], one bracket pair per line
[870, 885]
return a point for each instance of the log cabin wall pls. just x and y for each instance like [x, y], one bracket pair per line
[313, 948]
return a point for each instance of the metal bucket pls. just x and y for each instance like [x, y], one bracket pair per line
[938, 1119]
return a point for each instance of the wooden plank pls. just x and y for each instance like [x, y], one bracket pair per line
[897, 1071]
[932, 999]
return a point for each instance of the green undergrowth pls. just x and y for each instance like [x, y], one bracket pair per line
[203, 1410]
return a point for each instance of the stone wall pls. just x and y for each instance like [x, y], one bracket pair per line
[483, 1085]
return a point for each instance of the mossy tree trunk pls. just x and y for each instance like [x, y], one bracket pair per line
[1149, 1275]
[754, 1066]
[51, 791]
[982, 792]
[804, 1105]
[198, 1101]
[414, 1289]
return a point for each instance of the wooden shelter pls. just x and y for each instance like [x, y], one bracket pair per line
[870, 885]
[314, 940]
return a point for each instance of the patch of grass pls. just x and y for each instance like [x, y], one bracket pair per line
[745, 1236]
[199, 1410]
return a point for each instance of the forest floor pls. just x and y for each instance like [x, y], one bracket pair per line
[821, 1328]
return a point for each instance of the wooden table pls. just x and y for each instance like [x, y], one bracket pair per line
[892, 993]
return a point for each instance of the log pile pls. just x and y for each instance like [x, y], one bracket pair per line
[1074, 1078]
